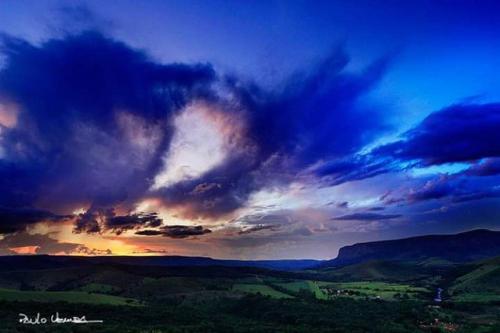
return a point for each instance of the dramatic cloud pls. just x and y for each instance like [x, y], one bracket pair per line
[125, 222]
[92, 121]
[459, 133]
[17, 219]
[105, 219]
[95, 132]
[24, 243]
[88, 121]
[319, 114]
[175, 231]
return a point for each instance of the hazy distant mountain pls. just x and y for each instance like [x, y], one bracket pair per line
[46, 262]
[285, 265]
[459, 248]
[463, 247]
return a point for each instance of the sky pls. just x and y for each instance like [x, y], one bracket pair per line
[246, 130]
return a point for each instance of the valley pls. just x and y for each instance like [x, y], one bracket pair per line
[376, 295]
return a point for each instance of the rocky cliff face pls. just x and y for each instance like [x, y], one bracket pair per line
[463, 247]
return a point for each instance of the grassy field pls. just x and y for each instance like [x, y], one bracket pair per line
[64, 296]
[260, 289]
[311, 286]
[387, 291]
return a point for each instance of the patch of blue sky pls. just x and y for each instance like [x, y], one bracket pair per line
[448, 168]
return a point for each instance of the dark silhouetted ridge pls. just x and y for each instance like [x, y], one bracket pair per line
[462, 247]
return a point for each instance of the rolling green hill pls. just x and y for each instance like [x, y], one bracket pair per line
[380, 270]
[481, 283]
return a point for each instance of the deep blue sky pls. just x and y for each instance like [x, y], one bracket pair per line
[284, 132]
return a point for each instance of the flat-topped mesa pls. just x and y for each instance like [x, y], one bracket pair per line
[462, 247]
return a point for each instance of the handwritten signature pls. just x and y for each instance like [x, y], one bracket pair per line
[55, 319]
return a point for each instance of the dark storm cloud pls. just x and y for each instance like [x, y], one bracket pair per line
[95, 121]
[131, 221]
[367, 217]
[96, 220]
[17, 184]
[175, 231]
[93, 220]
[17, 219]
[459, 133]
[83, 101]
[319, 114]
[149, 232]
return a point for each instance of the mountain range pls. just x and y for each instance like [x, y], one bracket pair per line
[458, 248]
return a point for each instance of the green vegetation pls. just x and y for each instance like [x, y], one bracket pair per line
[261, 289]
[255, 313]
[64, 296]
[383, 290]
[252, 313]
[235, 299]
[480, 284]
[310, 286]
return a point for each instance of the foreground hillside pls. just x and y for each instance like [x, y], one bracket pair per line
[479, 281]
